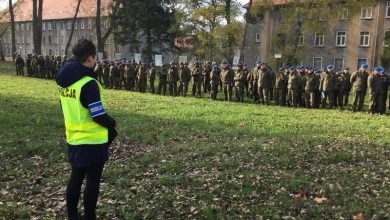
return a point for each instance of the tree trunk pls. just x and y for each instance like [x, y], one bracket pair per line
[72, 30]
[37, 25]
[99, 39]
[2, 57]
[242, 57]
[230, 37]
[12, 17]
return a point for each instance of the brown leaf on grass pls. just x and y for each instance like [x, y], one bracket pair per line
[241, 125]
[320, 200]
[358, 216]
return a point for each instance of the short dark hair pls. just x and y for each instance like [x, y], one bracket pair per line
[83, 49]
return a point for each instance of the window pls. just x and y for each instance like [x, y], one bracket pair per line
[69, 25]
[319, 39]
[49, 39]
[17, 40]
[22, 27]
[27, 27]
[90, 24]
[257, 37]
[49, 26]
[341, 39]
[56, 53]
[54, 25]
[367, 13]
[364, 39]
[43, 26]
[301, 39]
[338, 64]
[386, 40]
[63, 39]
[106, 24]
[76, 38]
[17, 27]
[50, 52]
[388, 10]
[44, 39]
[56, 40]
[23, 39]
[62, 24]
[317, 62]
[83, 24]
[360, 62]
[75, 25]
[343, 14]
[62, 52]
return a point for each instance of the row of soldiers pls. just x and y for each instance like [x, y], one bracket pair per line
[39, 66]
[289, 86]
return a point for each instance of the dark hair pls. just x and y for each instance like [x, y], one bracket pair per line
[83, 49]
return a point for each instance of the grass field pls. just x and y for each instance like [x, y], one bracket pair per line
[197, 158]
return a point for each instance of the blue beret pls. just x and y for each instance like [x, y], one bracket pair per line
[378, 69]
[281, 68]
[330, 66]
[225, 62]
[292, 68]
[258, 62]
[215, 68]
[364, 65]
[346, 68]
[383, 71]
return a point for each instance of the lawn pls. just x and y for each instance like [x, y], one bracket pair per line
[179, 157]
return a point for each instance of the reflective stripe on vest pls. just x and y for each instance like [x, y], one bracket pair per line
[79, 125]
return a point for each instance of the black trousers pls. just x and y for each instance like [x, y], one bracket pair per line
[91, 191]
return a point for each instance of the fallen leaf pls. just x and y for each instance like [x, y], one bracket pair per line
[320, 200]
[358, 216]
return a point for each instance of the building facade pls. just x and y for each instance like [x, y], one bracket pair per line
[349, 42]
[57, 27]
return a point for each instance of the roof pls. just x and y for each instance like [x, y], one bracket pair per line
[58, 9]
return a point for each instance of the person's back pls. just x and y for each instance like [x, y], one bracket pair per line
[89, 129]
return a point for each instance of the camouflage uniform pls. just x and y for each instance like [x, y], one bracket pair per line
[375, 91]
[162, 84]
[227, 77]
[184, 77]
[142, 78]
[327, 88]
[246, 82]
[239, 83]
[280, 88]
[19, 63]
[99, 72]
[214, 82]
[359, 85]
[122, 78]
[197, 79]
[264, 84]
[106, 74]
[29, 65]
[293, 86]
[173, 78]
[206, 77]
[114, 76]
[311, 86]
[152, 78]
[41, 67]
[340, 89]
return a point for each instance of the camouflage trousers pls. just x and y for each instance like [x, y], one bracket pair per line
[172, 88]
[183, 88]
[264, 95]
[240, 92]
[358, 100]
[280, 96]
[162, 87]
[376, 102]
[293, 97]
[214, 90]
[327, 99]
[227, 91]
[197, 88]
[310, 99]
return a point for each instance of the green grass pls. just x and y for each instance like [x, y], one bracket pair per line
[196, 158]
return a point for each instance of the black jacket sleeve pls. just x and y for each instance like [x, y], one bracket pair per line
[90, 94]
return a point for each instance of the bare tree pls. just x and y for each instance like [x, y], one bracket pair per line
[100, 38]
[72, 30]
[37, 25]
[12, 19]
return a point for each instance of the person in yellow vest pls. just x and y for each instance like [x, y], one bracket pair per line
[89, 129]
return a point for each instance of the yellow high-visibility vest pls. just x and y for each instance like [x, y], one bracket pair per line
[79, 125]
